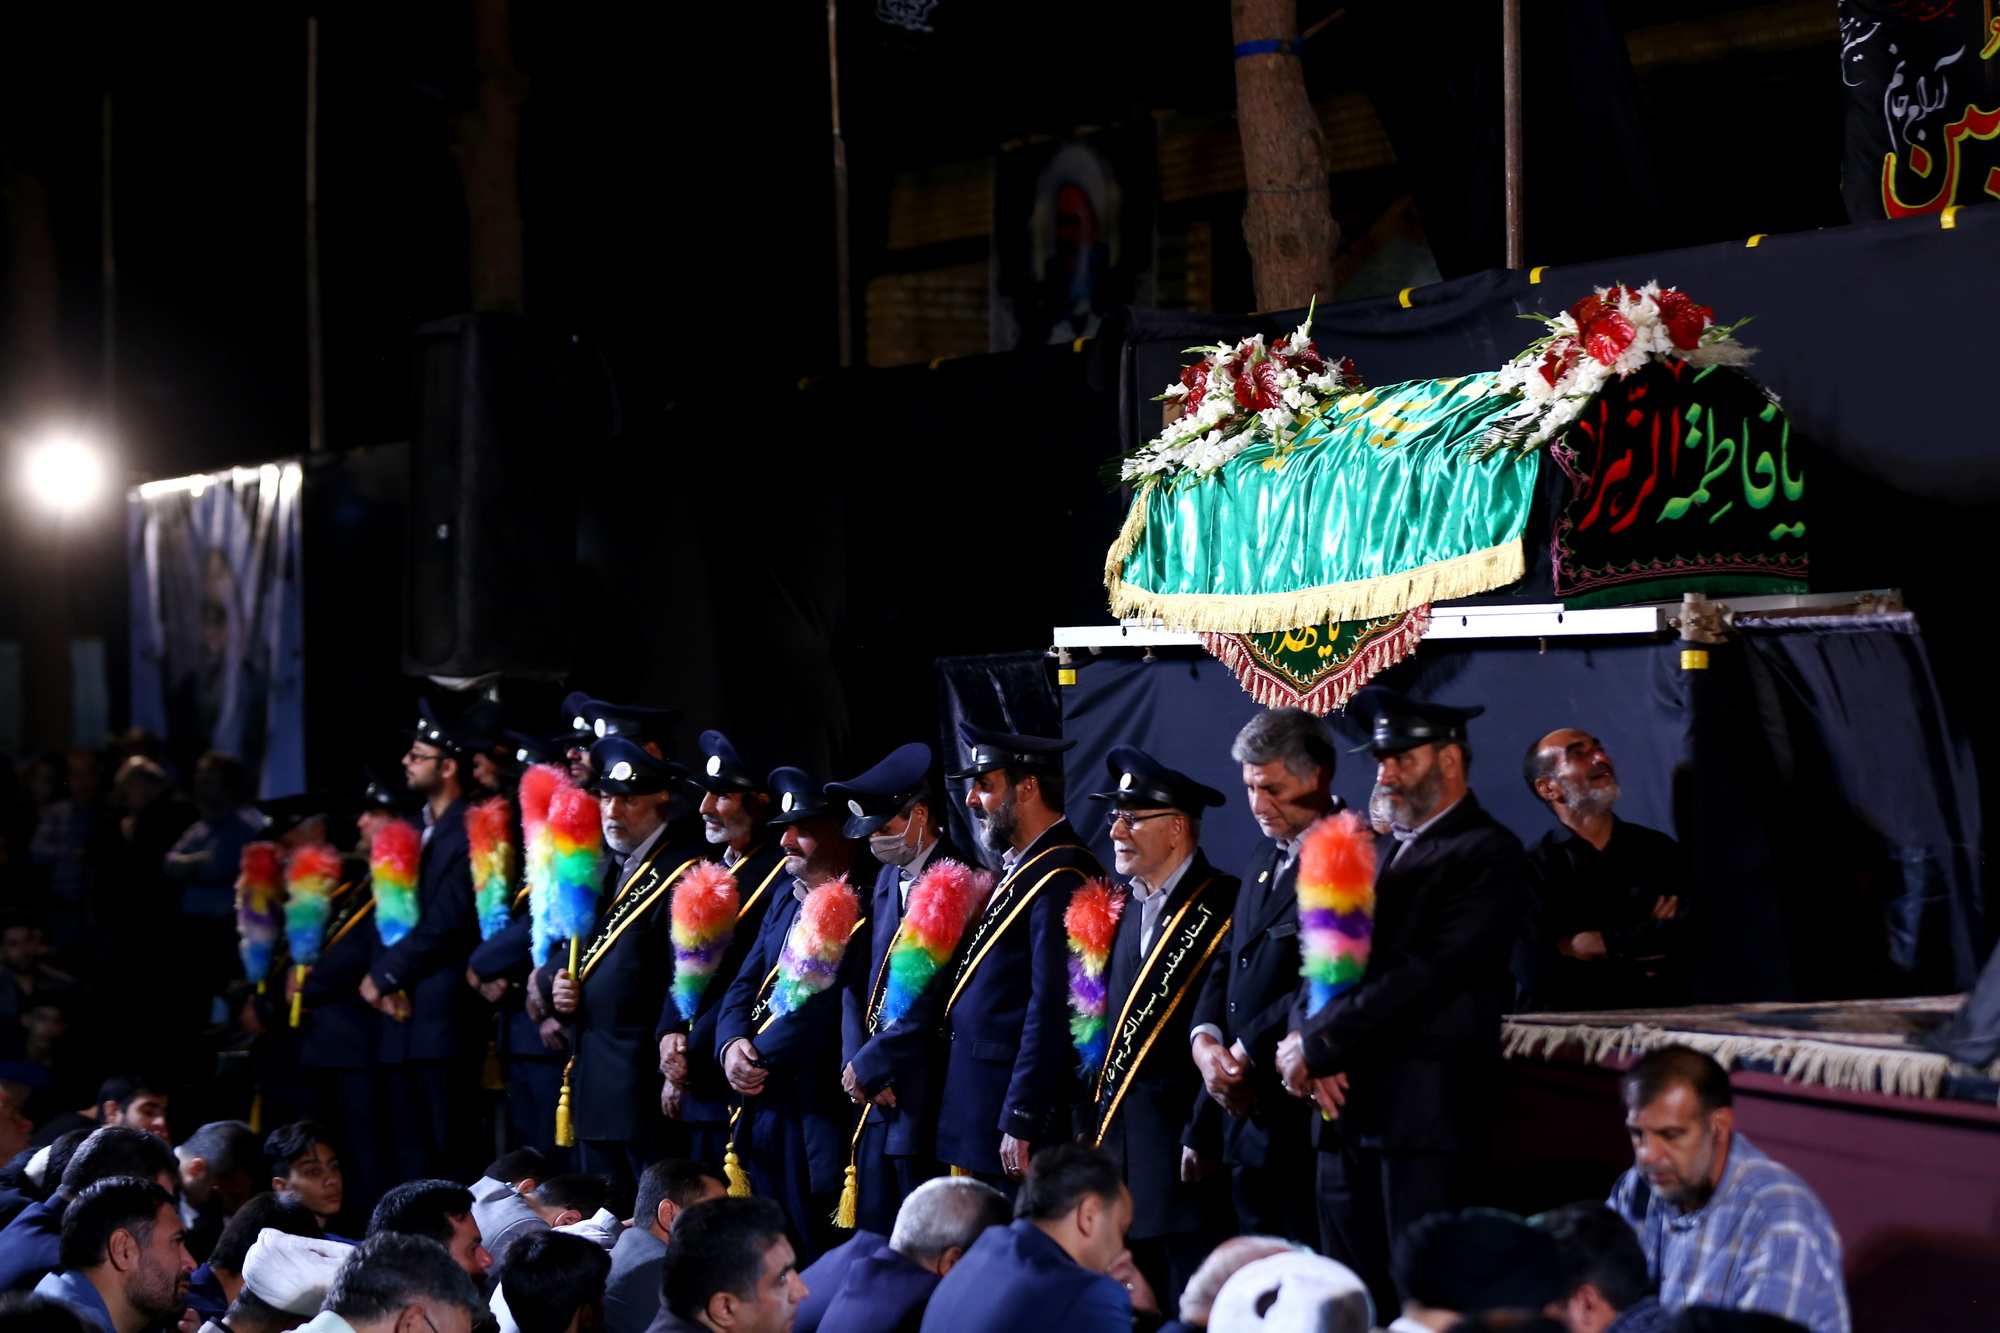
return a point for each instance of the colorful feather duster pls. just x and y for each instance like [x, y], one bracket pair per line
[944, 898]
[1092, 924]
[704, 922]
[490, 828]
[1336, 906]
[258, 899]
[392, 870]
[565, 865]
[538, 784]
[310, 877]
[815, 945]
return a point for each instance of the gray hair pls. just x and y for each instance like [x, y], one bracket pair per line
[1291, 736]
[947, 1213]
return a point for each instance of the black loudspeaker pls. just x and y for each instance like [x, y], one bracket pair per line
[503, 408]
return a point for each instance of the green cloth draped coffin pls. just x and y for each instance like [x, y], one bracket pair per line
[1377, 505]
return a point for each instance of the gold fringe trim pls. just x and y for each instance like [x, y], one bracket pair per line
[1127, 540]
[1274, 691]
[1361, 599]
[1797, 1060]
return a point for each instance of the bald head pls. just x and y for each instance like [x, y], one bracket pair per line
[1569, 771]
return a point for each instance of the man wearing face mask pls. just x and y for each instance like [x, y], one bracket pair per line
[779, 1033]
[1004, 1006]
[893, 806]
[1400, 1066]
[736, 808]
[625, 967]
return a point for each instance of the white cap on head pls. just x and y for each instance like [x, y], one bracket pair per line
[1289, 1293]
[292, 1273]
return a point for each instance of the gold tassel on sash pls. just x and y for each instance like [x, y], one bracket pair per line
[732, 1167]
[850, 1190]
[565, 1124]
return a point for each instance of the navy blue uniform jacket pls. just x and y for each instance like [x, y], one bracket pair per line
[824, 1275]
[338, 1029]
[1420, 1036]
[760, 880]
[1153, 1120]
[801, 1050]
[30, 1244]
[429, 962]
[884, 1293]
[901, 1055]
[1009, 1064]
[506, 955]
[1015, 1278]
[1249, 995]
[616, 1077]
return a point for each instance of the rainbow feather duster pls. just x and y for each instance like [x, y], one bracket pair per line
[944, 898]
[310, 876]
[258, 898]
[1091, 922]
[815, 945]
[1336, 907]
[490, 828]
[704, 922]
[392, 871]
[565, 866]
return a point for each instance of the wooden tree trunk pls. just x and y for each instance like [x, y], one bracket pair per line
[486, 141]
[1288, 221]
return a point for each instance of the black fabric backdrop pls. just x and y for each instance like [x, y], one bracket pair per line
[1828, 808]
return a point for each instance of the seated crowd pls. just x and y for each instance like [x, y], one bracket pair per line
[111, 1230]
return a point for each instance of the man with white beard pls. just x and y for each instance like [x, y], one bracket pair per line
[736, 809]
[625, 966]
[1609, 928]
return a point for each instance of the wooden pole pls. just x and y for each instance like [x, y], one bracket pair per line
[843, 278]
[1510, 80]
[1287, 217]
[315, 345]
[108, 260]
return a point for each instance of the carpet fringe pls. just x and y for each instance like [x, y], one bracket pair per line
[1797, 1060]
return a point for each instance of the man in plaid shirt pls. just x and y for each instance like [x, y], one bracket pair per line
[1721, 1223]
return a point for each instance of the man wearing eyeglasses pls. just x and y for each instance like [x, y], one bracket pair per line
[432, 1047]
[1146, 1104]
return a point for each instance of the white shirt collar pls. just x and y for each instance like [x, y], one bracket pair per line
[1146, 892]
[639, 854]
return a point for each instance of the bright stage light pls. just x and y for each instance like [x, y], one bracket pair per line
[64, 473]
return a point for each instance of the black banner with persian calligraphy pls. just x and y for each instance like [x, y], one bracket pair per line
[1923, 105]
[1683, 480]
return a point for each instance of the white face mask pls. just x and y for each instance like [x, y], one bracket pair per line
[898, 849]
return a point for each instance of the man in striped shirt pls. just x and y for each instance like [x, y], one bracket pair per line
[1721, 1223]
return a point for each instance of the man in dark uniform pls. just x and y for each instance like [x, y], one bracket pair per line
[1004, 1008]
[736, 808]
[888, 1068]
[1404, 1064]
[625, 967]
[531, 1044]
[417, 982]
[1609, 927]
[592, 720]
[1146, 1104]
[780, 1042]
[1244, 1010]
[340, 1034]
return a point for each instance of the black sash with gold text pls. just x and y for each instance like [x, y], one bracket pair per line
[1007, 903]
[633, 899]
[1169, 974]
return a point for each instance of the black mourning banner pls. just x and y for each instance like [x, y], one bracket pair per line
[1923, 105]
